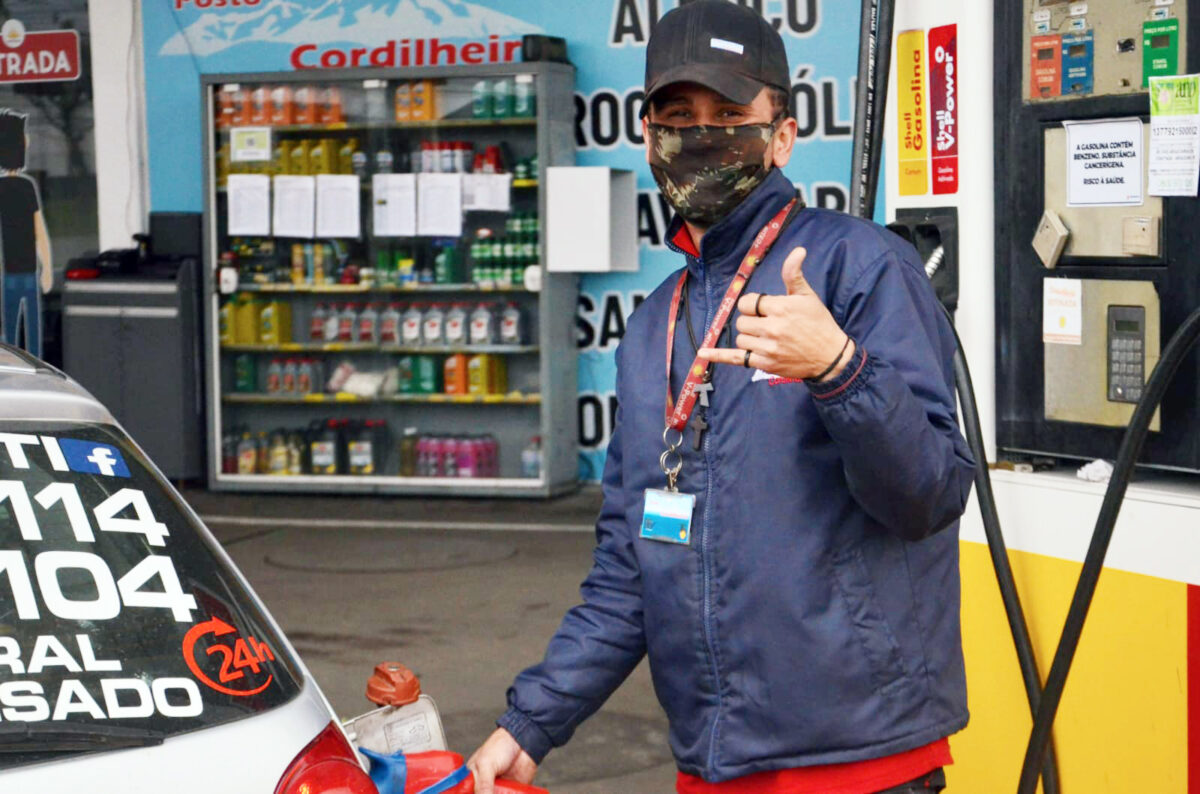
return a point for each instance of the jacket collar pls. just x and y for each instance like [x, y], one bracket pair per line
[726, 243]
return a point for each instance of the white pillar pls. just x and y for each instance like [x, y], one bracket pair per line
[119, 91]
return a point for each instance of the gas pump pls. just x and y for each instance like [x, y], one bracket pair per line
[1108, 264]
[1085, 237]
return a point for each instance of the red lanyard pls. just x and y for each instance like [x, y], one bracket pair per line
[679, 413]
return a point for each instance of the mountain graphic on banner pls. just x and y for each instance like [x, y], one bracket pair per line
[367, 23]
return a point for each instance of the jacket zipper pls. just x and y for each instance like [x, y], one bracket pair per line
[704, 557]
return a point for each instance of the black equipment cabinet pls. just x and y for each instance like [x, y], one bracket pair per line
[135, 343]
[1021, 127]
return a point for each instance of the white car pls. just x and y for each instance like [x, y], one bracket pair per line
[134, 656]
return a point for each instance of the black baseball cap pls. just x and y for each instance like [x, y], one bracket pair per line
[719, 45]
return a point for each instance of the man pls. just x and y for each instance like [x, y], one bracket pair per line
[24, 242]
[786, 552]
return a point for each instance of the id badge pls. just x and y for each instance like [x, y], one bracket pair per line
[667, 516]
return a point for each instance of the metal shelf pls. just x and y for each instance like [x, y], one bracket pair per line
[359, 289]
[366, 185]
[433, 124]
[547, 371]
[366, 347]
[423, 399]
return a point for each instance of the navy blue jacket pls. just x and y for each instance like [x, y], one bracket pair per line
[814, 617]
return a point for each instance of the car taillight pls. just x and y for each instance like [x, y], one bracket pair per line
[328, 765]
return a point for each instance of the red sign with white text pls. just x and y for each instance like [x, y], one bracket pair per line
[943, 106]
[42, 57]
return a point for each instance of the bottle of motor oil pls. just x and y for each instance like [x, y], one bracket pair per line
[274, 323]
[512, 325]
[468, 462]
[406, 382]
[332, 321]
[347, 319]
[295, 448]
[491, 455]
[299, 272]
[275, 377]
[481, 99]
[384, 161]
[389, 325]
[481, 375]
[360, 451]
[247, 455]
[368, 325]
[229, 455]
[246, 309]
[225, 323]
[412, 325]
[263, 449]
[428, 375]
[358, 163]
[277, 454]
[245, 374]
[320, 265]
[425, 465]
[445, 266]
[345, 160]
[316, 323]
[291, 377]
[408, 452]
[502, 98]
[433, 327]
[456, 325]
[323, 449]
[450, 457]
[531, 459]
[523, 98]
[305, 383]
[455, 374]
[483, 325]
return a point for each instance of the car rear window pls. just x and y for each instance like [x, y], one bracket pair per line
[115, 609]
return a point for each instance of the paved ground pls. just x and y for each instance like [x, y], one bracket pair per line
[354, 582]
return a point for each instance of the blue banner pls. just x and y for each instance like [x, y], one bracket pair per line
[606, 41]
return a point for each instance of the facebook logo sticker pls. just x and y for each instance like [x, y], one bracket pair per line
[93, 458]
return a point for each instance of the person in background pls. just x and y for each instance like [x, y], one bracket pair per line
[786, 551]
[24, 241]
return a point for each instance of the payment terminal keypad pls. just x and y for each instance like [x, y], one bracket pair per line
[1126, 353]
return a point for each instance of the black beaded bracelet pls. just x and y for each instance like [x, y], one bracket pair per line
[829, 369]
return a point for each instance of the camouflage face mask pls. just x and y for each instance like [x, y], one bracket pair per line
[705, 172]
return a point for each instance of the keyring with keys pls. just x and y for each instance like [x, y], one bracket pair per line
[671, 470]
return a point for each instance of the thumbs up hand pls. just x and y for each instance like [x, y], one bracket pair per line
[791, 336]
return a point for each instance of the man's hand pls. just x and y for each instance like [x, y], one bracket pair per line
[500, 756]
[793, 336]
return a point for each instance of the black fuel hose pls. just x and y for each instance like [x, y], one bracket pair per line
[1131, 446]
[874, 61]
[1026, 659]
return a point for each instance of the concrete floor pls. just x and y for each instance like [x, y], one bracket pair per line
[356, 581]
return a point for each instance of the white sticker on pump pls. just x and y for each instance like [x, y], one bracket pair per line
[1078, 23]
[1062, 311]
[1159, 14]
[1164, 2]
[1078, 9]
[1041, 16]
